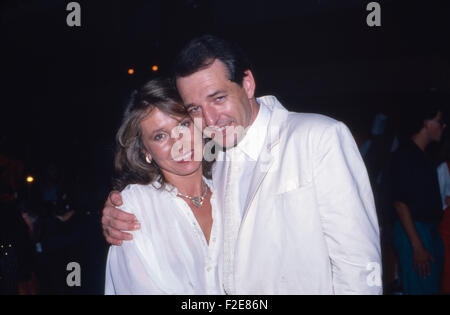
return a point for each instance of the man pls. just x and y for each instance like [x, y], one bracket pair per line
[297, 206]
[417, 201]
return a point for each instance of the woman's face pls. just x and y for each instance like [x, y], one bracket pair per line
[169, 141]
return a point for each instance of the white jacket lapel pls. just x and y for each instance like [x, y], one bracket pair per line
[266, 159]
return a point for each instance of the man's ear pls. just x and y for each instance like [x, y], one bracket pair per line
[248, 83]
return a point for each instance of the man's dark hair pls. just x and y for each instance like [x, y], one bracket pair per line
[425, 107]
[202, 51]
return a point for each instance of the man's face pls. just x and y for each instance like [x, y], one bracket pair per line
[221, 105]
[435, 127]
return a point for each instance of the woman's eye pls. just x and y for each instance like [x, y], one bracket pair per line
[159, 137]
[194, 109]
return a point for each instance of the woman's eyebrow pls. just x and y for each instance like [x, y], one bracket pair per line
[156, 131]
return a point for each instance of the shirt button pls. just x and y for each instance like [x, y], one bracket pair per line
[208, 269]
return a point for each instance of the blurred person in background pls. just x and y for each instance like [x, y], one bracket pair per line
[66, 233]
[377, 152]
[16, 252]
[16, 248]
[417, 202]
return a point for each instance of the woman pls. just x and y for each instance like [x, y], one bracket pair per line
[175, 251]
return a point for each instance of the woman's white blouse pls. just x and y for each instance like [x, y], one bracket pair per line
[169, 254]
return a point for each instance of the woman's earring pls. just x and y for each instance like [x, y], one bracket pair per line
[148, 159]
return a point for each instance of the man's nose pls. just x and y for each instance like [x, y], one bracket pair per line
[210, 116]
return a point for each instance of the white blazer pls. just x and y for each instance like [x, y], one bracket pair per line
[310, 225]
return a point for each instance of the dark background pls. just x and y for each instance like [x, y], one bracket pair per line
[64, 88]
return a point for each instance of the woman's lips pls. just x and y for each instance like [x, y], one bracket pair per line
[185, 158]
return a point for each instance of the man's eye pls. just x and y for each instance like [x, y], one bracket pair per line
[185, 123]
[220, 98]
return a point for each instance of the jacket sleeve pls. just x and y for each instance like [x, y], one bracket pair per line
[347, 211]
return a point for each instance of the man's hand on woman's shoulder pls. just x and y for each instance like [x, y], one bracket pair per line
[114, 221]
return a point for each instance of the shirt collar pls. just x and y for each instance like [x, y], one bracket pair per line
[253, 141]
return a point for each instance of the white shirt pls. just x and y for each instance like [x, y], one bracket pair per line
[244, 156]
[444, 182]
[169, 254]
[242, 161]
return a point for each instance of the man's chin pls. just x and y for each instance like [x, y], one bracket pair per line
[224, 144]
